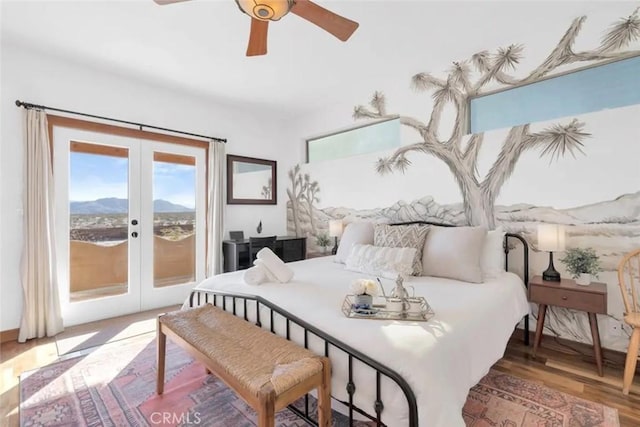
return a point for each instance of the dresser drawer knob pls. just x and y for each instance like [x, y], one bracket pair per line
[564, 298]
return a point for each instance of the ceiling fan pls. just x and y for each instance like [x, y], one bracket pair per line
[263, 11]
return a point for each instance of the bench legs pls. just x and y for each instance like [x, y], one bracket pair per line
[161, 350]
[266, 412]
[324, 395]
[267, 403]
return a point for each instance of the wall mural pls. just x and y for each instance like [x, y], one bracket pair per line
[479, 193]
[612, 227]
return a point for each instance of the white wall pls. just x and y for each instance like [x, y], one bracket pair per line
[43, 79]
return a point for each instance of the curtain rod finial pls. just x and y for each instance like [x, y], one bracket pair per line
[18, 103]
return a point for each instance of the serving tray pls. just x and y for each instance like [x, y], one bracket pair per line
[380, 311]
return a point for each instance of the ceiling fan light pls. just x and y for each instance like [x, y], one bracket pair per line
[265, 10]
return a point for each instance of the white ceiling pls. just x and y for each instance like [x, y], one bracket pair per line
[199, 46]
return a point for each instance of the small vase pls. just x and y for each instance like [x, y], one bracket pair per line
[363, 301]
[584, 279]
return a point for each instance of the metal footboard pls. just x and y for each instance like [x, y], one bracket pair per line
[243, 305]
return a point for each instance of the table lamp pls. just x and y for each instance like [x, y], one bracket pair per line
[335, 231]
[551, 239]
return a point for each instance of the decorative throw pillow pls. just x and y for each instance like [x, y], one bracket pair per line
[355, 232]
[403, 236]
[454, 253]
[380, 261]
[492, 258]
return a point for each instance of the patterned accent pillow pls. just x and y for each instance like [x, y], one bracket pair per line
[403, 236]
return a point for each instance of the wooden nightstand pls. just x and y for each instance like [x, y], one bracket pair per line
[592, 299]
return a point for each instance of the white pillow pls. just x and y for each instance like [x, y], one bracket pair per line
[492, 258]
[380, 260]
[454, 253]
[354, 233]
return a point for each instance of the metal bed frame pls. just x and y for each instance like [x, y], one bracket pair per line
[242, 305]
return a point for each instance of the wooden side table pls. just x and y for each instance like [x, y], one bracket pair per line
[591, 299]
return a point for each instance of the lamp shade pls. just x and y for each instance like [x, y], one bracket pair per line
[335, 228]
[551, 237]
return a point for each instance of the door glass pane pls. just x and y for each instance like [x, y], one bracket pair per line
[99, 216]
[174, 234]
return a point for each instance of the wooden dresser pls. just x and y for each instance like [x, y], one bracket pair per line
[236, 252]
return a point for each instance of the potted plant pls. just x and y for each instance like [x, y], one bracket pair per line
[582, 264]
[323, 241]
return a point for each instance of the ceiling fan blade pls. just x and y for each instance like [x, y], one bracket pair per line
[337, 25]
[165, 2]
[258, 37]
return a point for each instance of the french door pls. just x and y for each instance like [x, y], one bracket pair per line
[130, 223]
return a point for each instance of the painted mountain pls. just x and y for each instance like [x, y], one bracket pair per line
[113, 205]
[611, 226]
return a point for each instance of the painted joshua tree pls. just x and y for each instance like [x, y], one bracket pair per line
[295, 194]
[302, 189]
[310, 195]
[480, 193]
[266, 190]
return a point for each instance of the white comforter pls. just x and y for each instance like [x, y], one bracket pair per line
[440, 359]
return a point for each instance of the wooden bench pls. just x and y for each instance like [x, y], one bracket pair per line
[265, 370]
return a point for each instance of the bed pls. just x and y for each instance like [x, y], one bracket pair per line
[390, 372]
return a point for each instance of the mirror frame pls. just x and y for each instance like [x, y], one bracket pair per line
[232, 200]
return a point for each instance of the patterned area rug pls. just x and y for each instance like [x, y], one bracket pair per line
[503, 400]
[114, 385]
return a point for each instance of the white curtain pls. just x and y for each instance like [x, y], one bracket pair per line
[215, 207]
[41, 304]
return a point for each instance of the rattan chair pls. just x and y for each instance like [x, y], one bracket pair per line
[629, 280]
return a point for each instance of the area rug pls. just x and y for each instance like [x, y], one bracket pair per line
[503, 400]
[114, 385]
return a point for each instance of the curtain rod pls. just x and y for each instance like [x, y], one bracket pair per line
[28, 105]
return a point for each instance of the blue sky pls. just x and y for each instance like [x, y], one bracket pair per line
[94, 177]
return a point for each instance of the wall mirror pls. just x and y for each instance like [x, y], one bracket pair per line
[251, 181]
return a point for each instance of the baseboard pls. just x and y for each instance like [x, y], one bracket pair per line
[9, 335]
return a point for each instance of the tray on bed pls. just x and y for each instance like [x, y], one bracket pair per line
[379, 310]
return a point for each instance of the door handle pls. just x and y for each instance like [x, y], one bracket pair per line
[134, 222]
[134, 234]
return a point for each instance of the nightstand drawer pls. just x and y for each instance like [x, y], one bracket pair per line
[585, 301]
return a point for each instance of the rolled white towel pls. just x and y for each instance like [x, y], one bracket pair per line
[275, 265]
[269, 275]
[255, 275]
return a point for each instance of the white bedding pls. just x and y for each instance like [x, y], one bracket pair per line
[440, 359]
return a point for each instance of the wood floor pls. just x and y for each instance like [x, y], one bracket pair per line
[568, 367]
